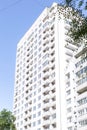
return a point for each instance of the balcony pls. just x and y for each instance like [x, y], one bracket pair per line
[45, 30]
[52, 53]
[53, 98]
[45, 41]
[51, 50]
[69, 53]
[53, 105]
[52, 67]
[45, 35]
[46, 71]
[46, 126]
[46, 122]
[54, 124]
[82, 88]
[27, 127]
[53, 110]
[45, 93]
[83, 98]
[46, 89]
[46, 101]
[46, 48]
[52, 94]
[71, 47]
[46, 66]
[30, 102]
[27, 115]
[46, 113]
[52, 87]
[46, 109]
[46, 105]
[46, 77]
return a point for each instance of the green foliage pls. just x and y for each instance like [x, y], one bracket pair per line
[68, 2]
[80, 3]
[7, 120]
[86, 6]
[78, 30]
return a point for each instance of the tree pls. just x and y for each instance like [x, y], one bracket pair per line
[7, 120]
[78, 30]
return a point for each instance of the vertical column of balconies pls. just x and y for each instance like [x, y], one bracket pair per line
[49, 89]
[81, 80]
[71, 111]
[28, 84]
[70, 48]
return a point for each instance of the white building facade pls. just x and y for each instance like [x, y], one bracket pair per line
[81, 86]
[45, 92]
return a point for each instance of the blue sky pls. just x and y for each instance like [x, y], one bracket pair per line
[16, 17]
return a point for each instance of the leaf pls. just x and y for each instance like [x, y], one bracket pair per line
[86, 6]
[68, 2]
[81, 3]
[6, 120]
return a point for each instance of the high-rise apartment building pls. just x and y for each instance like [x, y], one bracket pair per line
[46, 95]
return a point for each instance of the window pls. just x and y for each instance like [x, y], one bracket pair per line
[34, 123]
[39, 97]
[35, 79]
[39, 68]
[35, 86]
[68, 101]
[35, 59]
[35, 47]
[34, 93]
[82, 101]
[39, 82]
[68, 109]
[83, 123]
[68, 92]
[34, 115]
[35, 72]
[39, 113]
[69, 128]
[39, 122]
[81, 112]
[39, 42]
[17, 124]
[39, 90]
[39, 49]
[40, 31]
[69, 119]
[39, 62]
[45, 56]
[34, 108]
[39, 75]
[39, 129]
[35, 53]
[35, 65]
[21, 122]
[40, 24]
[53, 75]
[39, 55]
[34, 100]
[45, 63]
[39, 105]
[54, 116]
